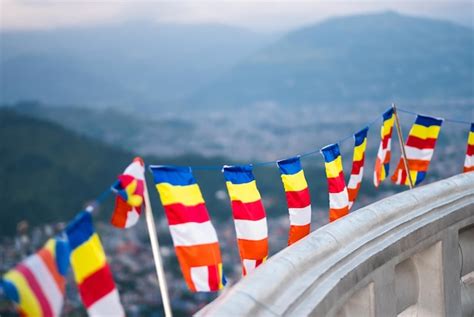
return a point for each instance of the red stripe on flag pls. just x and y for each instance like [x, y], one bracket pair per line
[96, 286]
[357, 165]
[386, 138]
[179, 213]
[248, 211]
[213, 277]
[298, 199]
[36, 288]
[337, 184]
[421, 144]
[470, 149]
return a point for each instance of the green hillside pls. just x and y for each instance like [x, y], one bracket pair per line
[47, 173]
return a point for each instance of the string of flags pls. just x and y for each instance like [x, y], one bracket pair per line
[37, 284]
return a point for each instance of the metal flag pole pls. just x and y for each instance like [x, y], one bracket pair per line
[155, 247]
[402, 145]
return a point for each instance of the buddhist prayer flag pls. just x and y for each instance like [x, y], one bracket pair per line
[37, 284]
[357, 172]
[194, 236]
[338, 196]
[382, 161]
[297, 198]
[91, 270]
[129, 188]
[469, 161]
[419, 150]
[249, 216]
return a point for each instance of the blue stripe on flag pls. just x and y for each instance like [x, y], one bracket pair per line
[290, 166]
[80, 229]
[387, 114]
[428, 121]
[330, 152]
[174, 175]
[239, 174]
[360, 136]
[10, 290]
[62, 253]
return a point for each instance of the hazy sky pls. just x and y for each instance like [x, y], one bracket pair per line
[256, 15]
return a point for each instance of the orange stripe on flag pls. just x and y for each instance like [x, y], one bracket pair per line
[50, 263]
[337, 213]
[416, 165]
[199, 255]
[298, 232]
[253, 249]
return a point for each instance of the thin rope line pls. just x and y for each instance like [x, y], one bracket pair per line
[99, 200]
[445, 119]
[267, 163]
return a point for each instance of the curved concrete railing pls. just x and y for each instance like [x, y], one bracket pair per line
[411, 254]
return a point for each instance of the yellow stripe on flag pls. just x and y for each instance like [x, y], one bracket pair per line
[471, 138]
[424, 133]
[246, 193]
[28, 302]
[189, 195]
[359, 151]
[413, 175]
[294, 182]
[87, 258]
[51, 247]
[387, 125]
[334, 168]
[220, 276]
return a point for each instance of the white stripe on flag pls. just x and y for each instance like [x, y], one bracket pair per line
[109, 305]
[355, 179]
[251, 229]
[200, 277]
[339, 200]
[399, 178]
[136, 170]
[417, 154]
[46, 282]
[191, 233]
[300, 216]
[132, 217]
[249, 265]
[469, 162]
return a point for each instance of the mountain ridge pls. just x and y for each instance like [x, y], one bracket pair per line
[377, 57]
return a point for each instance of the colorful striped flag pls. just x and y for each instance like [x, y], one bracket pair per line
[357, 172]
[37, 284]
[469, 161]
[297, 198]
[194, 236]
[419, 150]
[249, 216]
[382, 161]
[91, 270]
[129, 200]
[338, 196]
